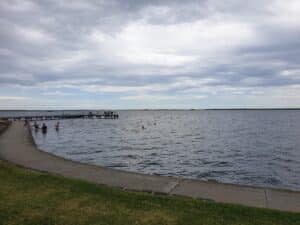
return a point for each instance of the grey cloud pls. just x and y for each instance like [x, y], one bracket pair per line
[68, 25]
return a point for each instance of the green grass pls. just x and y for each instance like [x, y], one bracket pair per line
[28, 197]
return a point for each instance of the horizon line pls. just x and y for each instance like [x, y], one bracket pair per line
[160, 109]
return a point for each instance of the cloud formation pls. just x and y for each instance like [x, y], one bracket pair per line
[156, 54]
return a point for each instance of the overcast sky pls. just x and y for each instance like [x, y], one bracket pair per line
[149, 54]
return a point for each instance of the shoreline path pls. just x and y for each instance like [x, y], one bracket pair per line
[17, 146]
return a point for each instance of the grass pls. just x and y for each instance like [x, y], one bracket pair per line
[28, 197]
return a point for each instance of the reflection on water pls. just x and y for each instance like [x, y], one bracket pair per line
[244, 147]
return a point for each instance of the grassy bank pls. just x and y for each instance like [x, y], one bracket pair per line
[28, 197]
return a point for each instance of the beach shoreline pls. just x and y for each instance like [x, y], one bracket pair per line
[4, 125]
[18, 147]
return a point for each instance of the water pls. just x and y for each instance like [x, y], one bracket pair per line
[252, 147]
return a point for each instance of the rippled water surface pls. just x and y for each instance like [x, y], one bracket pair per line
[253, 147]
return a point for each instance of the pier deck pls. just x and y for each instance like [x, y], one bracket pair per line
[63, 116]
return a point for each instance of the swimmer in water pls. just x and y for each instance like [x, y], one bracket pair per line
[44, 128]
[57, 126]
[36, 126]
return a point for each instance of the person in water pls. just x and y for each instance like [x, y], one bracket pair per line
[36, 126]
[57, 126]
[44, 128]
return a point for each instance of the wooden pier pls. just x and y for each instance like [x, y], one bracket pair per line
[90, 115]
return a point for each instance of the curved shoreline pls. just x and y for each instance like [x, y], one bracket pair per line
[17, 146]
[3, 125]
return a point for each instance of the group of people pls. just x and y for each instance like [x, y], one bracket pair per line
[44, 127]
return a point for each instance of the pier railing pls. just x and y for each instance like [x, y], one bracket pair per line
[90, 115]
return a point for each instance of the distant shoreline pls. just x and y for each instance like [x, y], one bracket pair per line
[191, 109]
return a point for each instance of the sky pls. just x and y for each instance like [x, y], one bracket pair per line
[126, 54]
